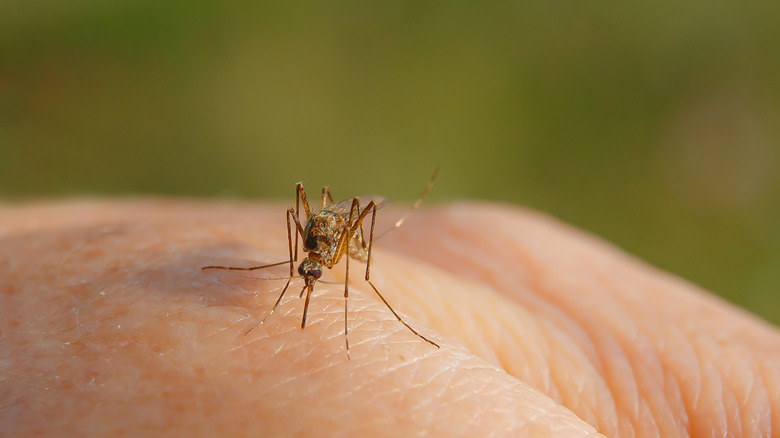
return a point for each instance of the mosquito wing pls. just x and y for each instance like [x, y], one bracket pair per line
[346, 204]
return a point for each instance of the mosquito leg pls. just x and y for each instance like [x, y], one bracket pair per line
[346, 233]
[399, 317]
[301, 193]
[300, 196]
[298, 230]
[358, 223]
[279, 300]
[251, 268]
[368, 273]
[370, 247]
[363, 237]
[415, 206]
[346, 301]
[289, 243]
[298, 227]
[326, 196]
[290, 262]
[298, 188]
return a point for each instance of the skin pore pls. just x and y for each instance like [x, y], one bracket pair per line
[108, 326]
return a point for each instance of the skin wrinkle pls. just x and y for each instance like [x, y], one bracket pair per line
[617, 382]
[484, 268]
[726, 395]
[770, 372]
[486, 272]
[687, 298]
[614, 358]
[758, 418]
[735, 410]
[131, 344]
[726, 399]
[645, 362]
[603, 410]
[674, 356]
[619, 378]
[651, 359]
[493, 315]
[534, 367]
[643, 417]
[532, 282]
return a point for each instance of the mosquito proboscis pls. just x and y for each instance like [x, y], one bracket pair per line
[328, 234]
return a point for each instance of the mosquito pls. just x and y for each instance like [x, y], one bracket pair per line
[329, 233]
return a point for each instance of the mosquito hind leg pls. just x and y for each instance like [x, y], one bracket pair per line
[372, 206]
[415, 206]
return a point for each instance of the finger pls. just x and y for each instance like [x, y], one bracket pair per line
[110, 327]
[630, 349]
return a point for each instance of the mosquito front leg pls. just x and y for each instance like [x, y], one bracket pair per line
[300, 196]
[298, 226]
[326, 197]
[290, 214]
[300, 193]
[251, 268]
[289, 243]
[276, 304]
[298, 230]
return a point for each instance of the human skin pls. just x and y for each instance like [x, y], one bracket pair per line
[108, 326]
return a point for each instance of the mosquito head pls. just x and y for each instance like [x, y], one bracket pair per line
[310, 270]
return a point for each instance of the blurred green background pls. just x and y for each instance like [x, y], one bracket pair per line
[653, 125]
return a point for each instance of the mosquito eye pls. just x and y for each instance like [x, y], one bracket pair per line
[301, 271]
[312, 242]
[316, 273]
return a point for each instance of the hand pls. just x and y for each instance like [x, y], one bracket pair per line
[108, 326]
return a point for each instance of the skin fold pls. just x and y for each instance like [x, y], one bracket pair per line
[109, 327]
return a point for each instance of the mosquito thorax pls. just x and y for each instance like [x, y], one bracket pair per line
[321, 232]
